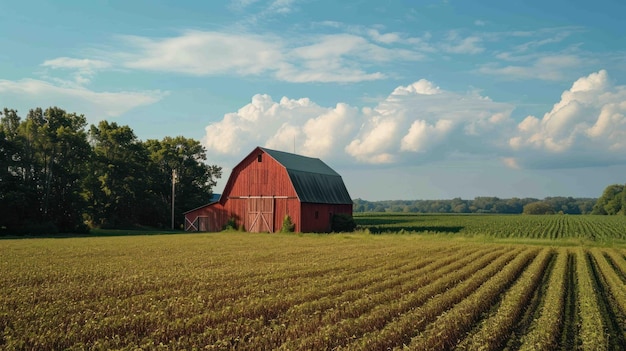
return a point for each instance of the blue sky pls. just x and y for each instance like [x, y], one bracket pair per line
[406, 99]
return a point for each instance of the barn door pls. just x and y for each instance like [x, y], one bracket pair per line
[260, 216]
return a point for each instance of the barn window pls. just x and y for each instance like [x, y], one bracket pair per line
[317, 215]
[259, 158]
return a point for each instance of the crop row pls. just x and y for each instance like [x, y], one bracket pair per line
[248, 292]
[588, 227]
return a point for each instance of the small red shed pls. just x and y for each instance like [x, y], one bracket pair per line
[269, 184]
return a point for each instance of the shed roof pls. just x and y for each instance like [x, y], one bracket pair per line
[313, 180]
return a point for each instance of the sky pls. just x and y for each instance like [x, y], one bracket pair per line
[405, 99]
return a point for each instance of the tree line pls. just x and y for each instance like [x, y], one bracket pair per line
[482, 204]
[59, 175]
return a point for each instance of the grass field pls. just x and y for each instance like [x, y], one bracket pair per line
[450, 289]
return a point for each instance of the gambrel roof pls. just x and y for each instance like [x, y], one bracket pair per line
[313, 180]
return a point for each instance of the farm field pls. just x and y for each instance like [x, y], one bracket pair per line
[606, 229]
[223, 291]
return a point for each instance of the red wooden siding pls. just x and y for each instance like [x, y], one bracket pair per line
[318, 217]
[266, 179]
[210, 218]
[258, 195]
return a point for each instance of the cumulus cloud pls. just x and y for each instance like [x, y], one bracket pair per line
[413, 120]
[316, 129]
[422, 122]
[588, 123]
[421, 118]
[91, 103]
[421, 135]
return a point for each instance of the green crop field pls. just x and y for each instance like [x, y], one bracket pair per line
[458, 287]
[607, 229]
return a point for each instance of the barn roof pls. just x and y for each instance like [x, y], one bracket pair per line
[313, 180]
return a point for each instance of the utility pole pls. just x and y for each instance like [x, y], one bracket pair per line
[173, 194]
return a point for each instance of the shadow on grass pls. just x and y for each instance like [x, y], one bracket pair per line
[94, 233]
[383, 221]
[411, 229]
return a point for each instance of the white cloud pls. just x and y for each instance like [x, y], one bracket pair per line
[455, 44]
[94, 105]
[281, 6]
[421, 135]
[317, 130]
[421, 122]
[264, 9]
[413, 120]
[314, 58]
[375, 140]
[387, 38]
[84, 69]
[205, 53]
[422, 117]
[421, 87]
[338, 58]
[588, 123]
[81, 64]
[549, 67]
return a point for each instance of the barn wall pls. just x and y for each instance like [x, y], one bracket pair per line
[288, 206]
[211, 218]
[266, 178]
[322, 221]
[236, 209]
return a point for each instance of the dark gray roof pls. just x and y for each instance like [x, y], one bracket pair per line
[313, 180]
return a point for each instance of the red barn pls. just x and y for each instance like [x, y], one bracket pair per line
[269, 184]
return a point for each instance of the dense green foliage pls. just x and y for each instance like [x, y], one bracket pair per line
[612, 201]
[225, 291]
[342, 222]
[57, 176]
[566, 205]
[538, 208]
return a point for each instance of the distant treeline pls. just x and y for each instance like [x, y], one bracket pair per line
[549, 205]
[57, 175]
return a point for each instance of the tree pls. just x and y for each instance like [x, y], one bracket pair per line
[610, 202]
[288, 226]
[65, 154]
[117, 184]
[49, 163]
[538, 208]
[195, 179]
[12, 204]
